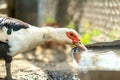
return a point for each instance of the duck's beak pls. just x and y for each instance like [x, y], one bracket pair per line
[80, 45]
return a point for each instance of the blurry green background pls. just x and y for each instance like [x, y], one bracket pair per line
[95, 20]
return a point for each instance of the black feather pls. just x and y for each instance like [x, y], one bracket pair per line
[12, 24]
[4, 49]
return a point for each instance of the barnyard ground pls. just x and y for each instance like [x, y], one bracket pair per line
[42, 64]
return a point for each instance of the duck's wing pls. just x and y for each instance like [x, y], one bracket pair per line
[12, 23]
[7, 25]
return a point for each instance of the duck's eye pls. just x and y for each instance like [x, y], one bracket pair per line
[71, 34]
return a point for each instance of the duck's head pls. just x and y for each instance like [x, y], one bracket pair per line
[67, 36]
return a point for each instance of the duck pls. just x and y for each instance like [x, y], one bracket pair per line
[17, 37]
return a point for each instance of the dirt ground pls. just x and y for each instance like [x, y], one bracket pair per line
[42, 64]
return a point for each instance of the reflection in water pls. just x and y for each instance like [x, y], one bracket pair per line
[98, 59]
[108, 64]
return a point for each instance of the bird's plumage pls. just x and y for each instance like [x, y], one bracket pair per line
[90, 60]
[34, 36]
[4, 49]
[18, 34]
[11, 23]
[8, 25]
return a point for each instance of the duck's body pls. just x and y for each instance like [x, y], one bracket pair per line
[97, 61]
[26, 39]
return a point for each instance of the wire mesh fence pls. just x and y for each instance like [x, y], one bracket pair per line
[101, 14]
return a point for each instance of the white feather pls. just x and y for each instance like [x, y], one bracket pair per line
[26, 39]
[3, 34]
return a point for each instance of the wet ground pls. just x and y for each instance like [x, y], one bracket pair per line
[42, 64]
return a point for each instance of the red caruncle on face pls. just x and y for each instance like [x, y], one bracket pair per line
[71, 35]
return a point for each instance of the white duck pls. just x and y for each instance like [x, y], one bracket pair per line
[88, 60]
[17, 36]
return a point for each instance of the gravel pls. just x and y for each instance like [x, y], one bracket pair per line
[44, 75]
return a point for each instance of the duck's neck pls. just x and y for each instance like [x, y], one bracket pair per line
[39, 35]
[47, 34]
[51, 34]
